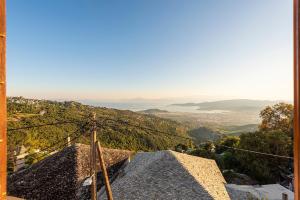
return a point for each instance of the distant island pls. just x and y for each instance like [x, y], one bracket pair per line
[153, 111]
[231, 105]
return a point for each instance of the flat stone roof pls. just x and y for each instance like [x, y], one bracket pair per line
[270, 192]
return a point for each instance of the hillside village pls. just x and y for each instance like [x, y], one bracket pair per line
[202, 171]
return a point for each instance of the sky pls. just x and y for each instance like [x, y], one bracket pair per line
[151, 49]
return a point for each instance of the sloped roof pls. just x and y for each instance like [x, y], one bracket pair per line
[169, 175]
[13, 198]
[60, 176]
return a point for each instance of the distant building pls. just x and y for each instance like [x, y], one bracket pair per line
[20, 155]
[42, 112]
[270, 192]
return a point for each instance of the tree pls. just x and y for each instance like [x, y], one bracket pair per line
[266, 169]
[181, 148]
[227, 141]
[226, 156]
[206, 150]
[277, 117]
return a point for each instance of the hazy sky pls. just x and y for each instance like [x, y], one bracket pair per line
[96, 49]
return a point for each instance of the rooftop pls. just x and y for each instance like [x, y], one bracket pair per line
[169, 175]
[61, 175]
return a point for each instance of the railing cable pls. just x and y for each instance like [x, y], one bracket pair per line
[257, 152]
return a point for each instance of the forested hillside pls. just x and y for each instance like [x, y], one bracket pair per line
[203, 134]
[125, 130]
[266, 155]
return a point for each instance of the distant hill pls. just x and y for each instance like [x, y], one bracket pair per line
[204, 134]
[129, 130]
[153, 111]
[238, 130]
[232, 105]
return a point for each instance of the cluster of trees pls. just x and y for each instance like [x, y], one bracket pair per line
[159, 133]
[273, 137]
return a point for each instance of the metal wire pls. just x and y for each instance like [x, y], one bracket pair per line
[141, 127]
[42, 125]
[103, 123]
[257, 152]
[58, 147]
[153, 130]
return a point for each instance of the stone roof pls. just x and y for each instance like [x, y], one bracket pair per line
[169, 175]
[61, 175]
[13, 198]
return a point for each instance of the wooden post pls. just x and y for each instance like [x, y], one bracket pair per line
[93, 161]
[296, 101]
[69, 141]
[3, 114]
[104, 172]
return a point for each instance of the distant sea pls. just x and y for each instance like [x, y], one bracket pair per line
[139, 106]
[129, 106]
[133, 106]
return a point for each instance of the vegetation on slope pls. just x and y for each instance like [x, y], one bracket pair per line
[136, 131]
[236, 153]
[238, 130]
[148, 133]
[203, 134]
